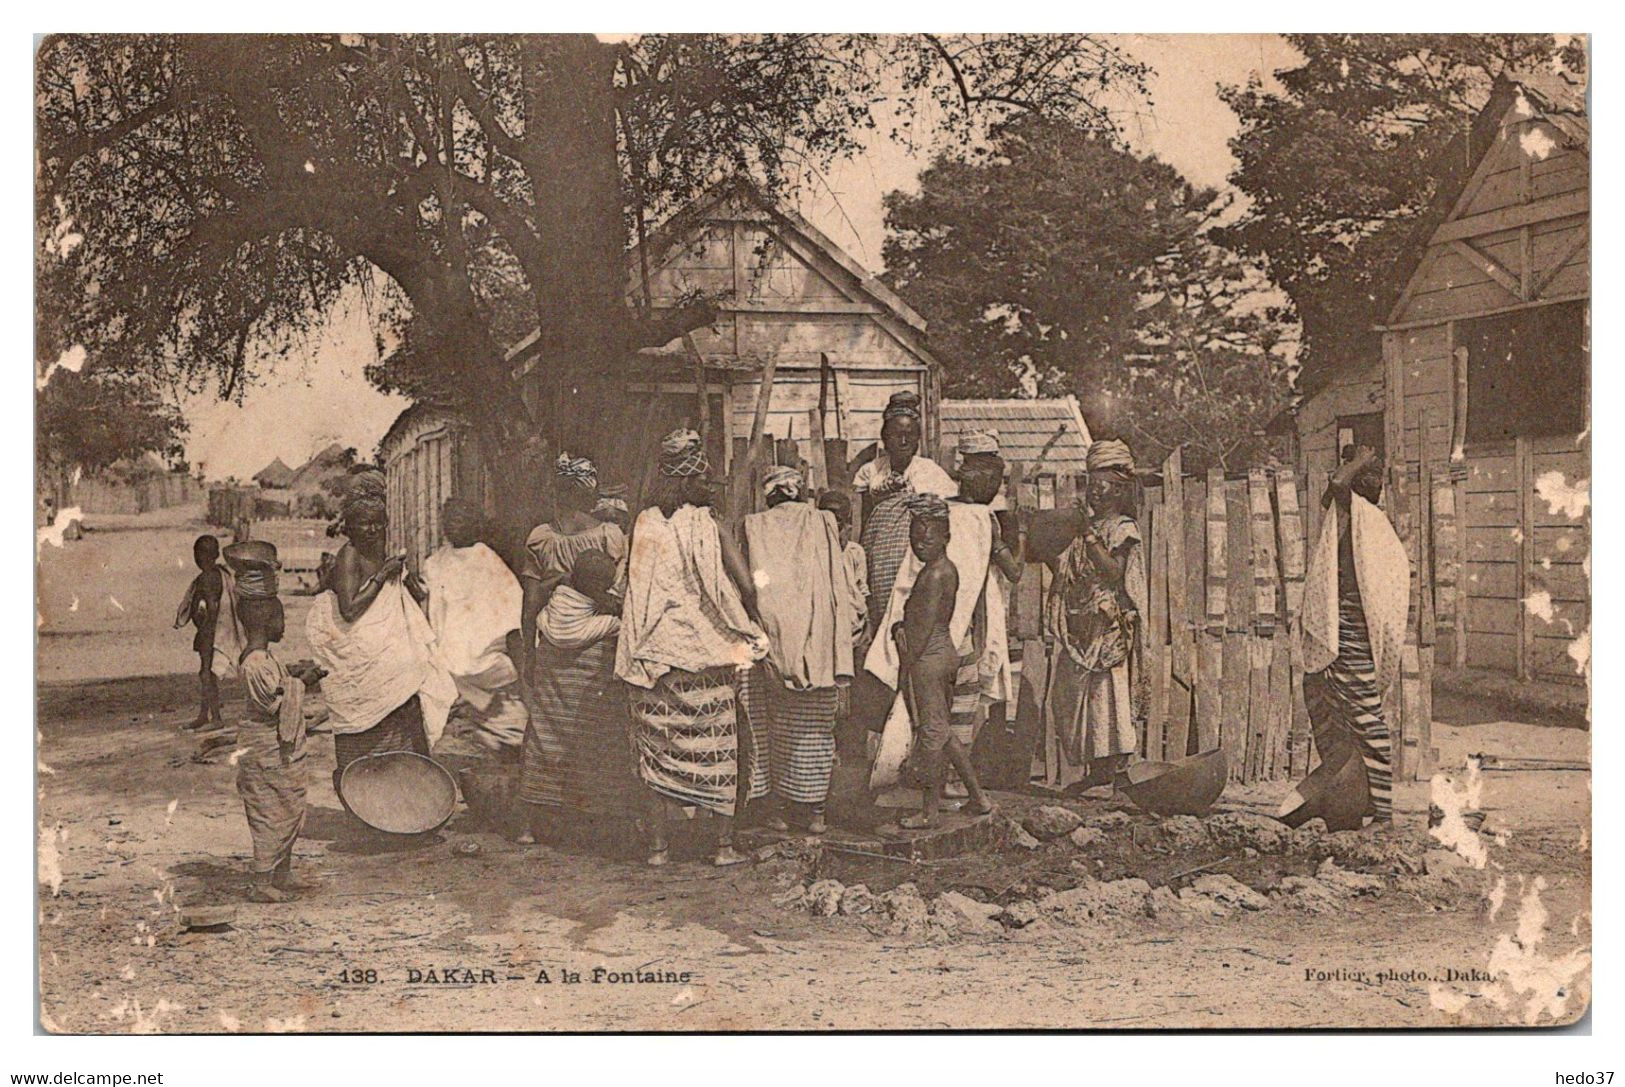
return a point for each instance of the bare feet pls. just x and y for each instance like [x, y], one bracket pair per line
[657, 859]
[986, 807]
[817, 826]
[295, 885]
[727, 856]
[917, 821]
[526, 838]
[265, 892]
[778, 823]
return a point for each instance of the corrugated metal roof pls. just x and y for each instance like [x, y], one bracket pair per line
[1050, 432]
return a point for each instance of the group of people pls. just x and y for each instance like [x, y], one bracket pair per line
[630, 668]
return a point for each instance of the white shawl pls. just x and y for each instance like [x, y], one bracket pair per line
[1382, 569]
[474, 601]
[379, 662]
[681, 610]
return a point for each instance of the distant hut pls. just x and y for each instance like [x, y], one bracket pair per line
[274, 476]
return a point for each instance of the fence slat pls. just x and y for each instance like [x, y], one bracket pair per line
[1266, 594]
[1156, 644]
[1217, 560]
[1280, 720]
[1291, 541]
[1179, 614]
[1208, 642]
[1238, 663]
[1258, 706]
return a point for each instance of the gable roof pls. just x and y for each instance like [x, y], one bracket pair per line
[681, 223]
[1051, 432]
[275, 474]
[1551, 98]
[1548, 98]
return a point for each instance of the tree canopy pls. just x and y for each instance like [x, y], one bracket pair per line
[1059, 263]
[226, 189]
[1341, 159]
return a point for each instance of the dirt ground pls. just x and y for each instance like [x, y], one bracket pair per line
[429, 935]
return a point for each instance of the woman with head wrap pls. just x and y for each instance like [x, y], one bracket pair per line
[1093, 618]
[688, 635]
[578, 756]
[386, 689]
[804, 598]
[883, 485]
[552, 547]
[1355, 600]
[611, 506]
[474, 606]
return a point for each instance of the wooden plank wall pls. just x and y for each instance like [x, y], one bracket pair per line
[1225, 561]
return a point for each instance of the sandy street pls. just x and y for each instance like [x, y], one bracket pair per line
[423, 936]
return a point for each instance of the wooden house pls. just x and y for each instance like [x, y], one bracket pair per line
[1479, 400]
[791, 304]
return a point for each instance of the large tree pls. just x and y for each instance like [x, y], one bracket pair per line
[1056, 262]
[227, 189]
[1340, 158]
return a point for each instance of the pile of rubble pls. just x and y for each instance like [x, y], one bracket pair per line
[1334, 870]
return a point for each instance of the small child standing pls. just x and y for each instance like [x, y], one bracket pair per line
[271, 733]
[201, 607]
[840, 504]
[928, 663]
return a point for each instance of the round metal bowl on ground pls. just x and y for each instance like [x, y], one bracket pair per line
[1187, 787]
[399, 792]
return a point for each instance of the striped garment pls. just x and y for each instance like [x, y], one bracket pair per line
[578, 752]
[1345, 709]
[885, 543]
[801, 734]
[689, 740]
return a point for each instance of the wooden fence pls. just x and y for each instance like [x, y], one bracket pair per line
[1225, 563]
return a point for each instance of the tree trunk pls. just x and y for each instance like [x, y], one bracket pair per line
[581, 229]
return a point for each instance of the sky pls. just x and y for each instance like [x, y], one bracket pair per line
[321, 395]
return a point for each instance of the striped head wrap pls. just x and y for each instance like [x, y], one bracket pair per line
[682, 455]
[610, 504]
[974, 442]
[578, 470]
[1110, 455]
[782, 479]
[926, 507]
[253, 565]
[904, 404]
[365, 499]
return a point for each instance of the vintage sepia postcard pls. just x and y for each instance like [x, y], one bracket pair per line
[812, 532]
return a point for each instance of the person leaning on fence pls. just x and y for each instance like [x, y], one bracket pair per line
[1351, 629]
[1093, 621]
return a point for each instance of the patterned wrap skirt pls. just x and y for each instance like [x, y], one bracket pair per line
[578, 752]
[800, 731]
[696, 743]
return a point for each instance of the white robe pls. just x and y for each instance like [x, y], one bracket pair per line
[378, 662]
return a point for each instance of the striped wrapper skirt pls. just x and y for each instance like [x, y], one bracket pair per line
[271, 783]
[692, 736]
[401, 730]
[577, 753]
[1345, 711]
[801, 734]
